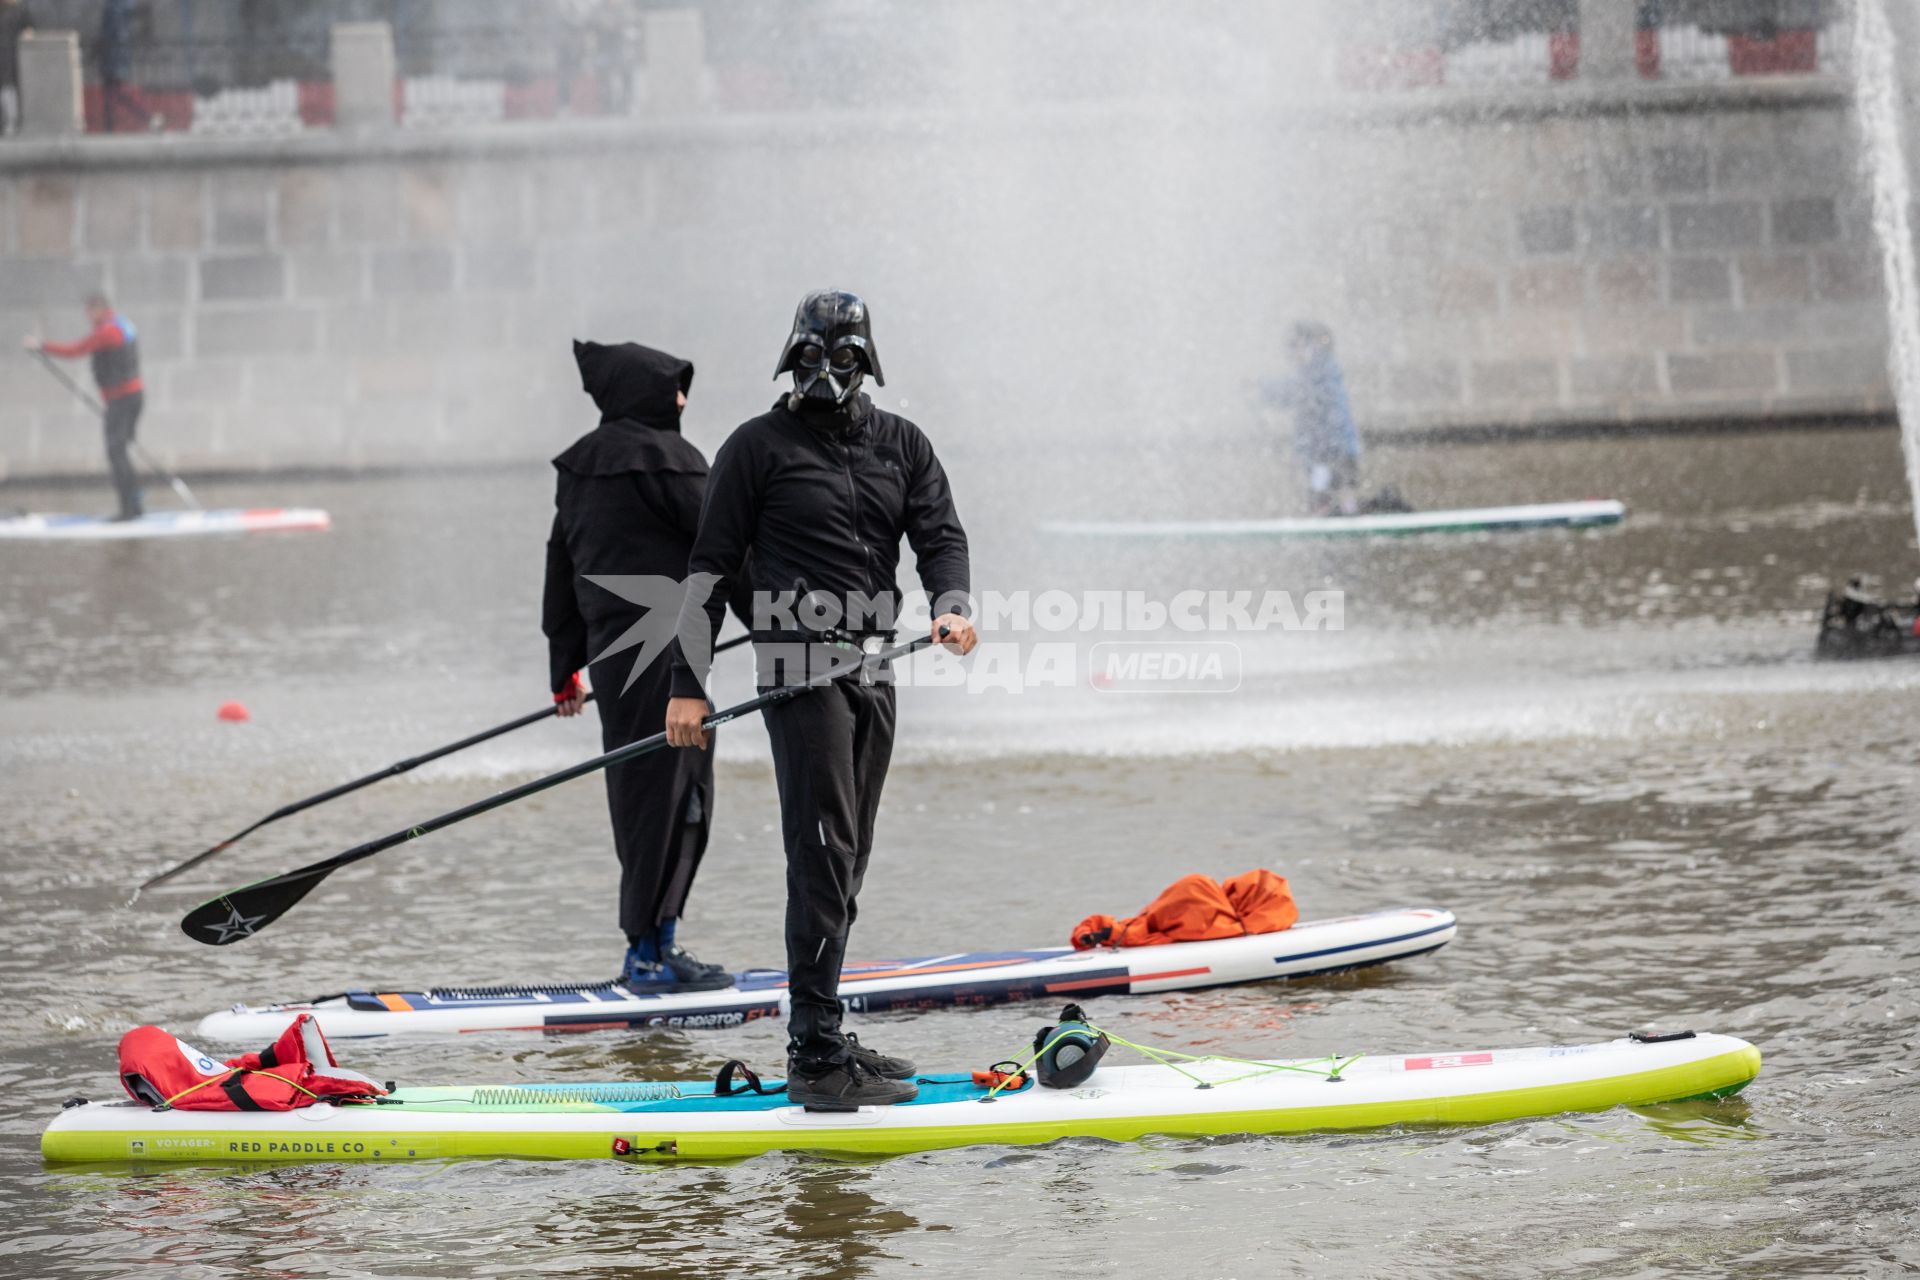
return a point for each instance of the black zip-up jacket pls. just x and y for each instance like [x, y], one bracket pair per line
[821, 501]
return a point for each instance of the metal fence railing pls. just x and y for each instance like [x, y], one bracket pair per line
[262, 66]
[1417, 43]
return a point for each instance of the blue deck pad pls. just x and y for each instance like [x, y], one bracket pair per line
[152, 519]
[587, 993]
[699, 1096]
[967, 992]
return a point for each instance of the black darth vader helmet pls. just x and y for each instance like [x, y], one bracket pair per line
[830, 351]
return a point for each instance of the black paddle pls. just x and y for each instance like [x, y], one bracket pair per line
[391, 771]
[178, 485]
[241, 913]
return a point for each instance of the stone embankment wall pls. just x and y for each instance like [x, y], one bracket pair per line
[1561, 255]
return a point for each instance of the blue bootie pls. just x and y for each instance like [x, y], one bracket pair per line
[658, 965]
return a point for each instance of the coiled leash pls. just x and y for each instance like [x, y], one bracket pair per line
[1063, 1057]
[1068, 1053]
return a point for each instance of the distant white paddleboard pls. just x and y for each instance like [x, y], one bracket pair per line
[48, 527]
[1463, 520]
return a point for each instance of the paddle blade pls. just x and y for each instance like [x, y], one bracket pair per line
[241, 913]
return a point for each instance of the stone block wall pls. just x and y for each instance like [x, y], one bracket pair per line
[1040, 277]
[289, 315]
[1621, 267]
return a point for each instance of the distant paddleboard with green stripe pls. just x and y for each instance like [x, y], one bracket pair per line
[48, 527]
[1542, 515]
[660, 1121]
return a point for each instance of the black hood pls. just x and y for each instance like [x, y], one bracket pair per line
[637, 390]
[632, 383]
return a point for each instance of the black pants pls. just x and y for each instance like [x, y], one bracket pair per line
[121, 417]
[117, 91]
[661, 802]
[831, 748]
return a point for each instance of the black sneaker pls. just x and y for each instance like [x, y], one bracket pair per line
[846, 1086]
[690, 969]
[879, 1063]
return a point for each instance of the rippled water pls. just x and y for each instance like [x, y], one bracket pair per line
[1609, 752]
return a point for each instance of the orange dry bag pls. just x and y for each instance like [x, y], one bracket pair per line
[1197, 908]
[1263, 901]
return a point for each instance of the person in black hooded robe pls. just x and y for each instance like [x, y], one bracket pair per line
[628, 503]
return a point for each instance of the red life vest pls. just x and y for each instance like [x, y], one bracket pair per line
[297, 1070]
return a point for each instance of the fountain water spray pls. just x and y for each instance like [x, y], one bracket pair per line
[1877, 99]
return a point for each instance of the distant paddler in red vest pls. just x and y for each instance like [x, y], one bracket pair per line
[114, 346]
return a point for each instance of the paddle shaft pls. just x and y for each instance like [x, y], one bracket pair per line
[617, 756]
[391, 771]
[178, 485]
[295, 885]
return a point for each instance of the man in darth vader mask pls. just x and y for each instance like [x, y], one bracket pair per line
[829, 353]
[812, 498]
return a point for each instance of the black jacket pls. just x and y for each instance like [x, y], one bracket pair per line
[818, 502]
[15, 19]
[628, 500]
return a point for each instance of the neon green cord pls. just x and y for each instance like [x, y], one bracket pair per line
[1334, 1068]
[1165, 1057]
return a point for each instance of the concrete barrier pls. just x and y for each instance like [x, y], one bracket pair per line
[51, 103]
[363, 75]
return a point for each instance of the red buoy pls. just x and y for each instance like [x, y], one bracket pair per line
[235, 711]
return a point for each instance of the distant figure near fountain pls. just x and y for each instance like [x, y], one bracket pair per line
[1325, 441]
[15, 21]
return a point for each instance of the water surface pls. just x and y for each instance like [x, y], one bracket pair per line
[1609, 752]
